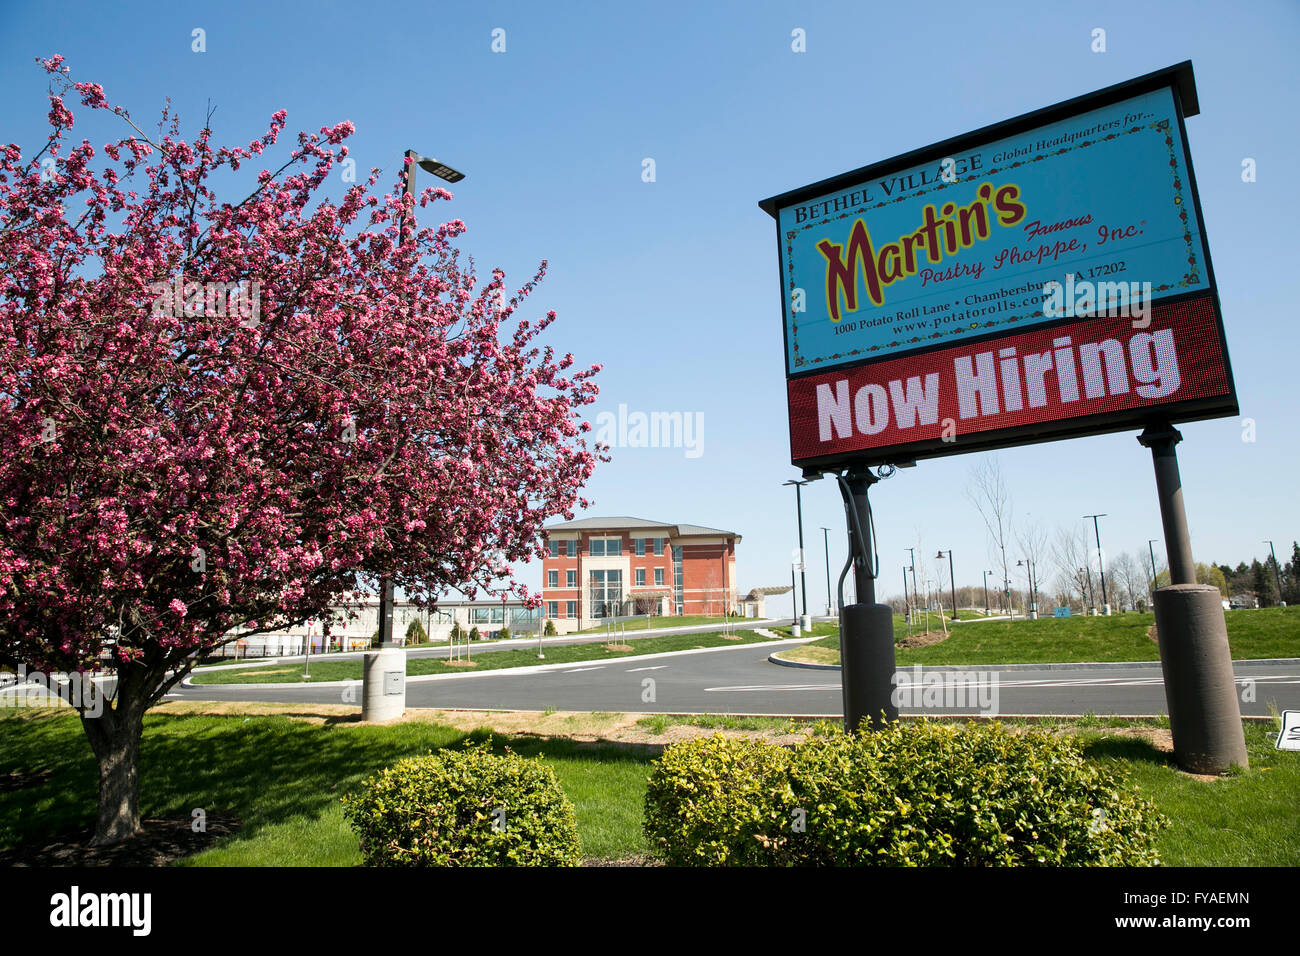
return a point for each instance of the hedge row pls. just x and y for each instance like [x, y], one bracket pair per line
[911, 794]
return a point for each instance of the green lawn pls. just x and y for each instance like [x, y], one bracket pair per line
[1231, 821]
[283, 778]
[1271, 632]
[649, 623]
[493, 660]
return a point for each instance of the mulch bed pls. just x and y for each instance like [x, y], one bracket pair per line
[638, 860]
[161, 842]
[923, 640]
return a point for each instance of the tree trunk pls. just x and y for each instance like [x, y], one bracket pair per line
[115, 739]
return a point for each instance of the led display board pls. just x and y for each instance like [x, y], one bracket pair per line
[1043, 278]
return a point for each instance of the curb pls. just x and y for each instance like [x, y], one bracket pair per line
[493, 672]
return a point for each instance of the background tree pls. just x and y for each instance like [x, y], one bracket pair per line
[1264, 582]
[415, 632]
[1291, 576]
[1069, 556]
[1130, 579]
[1032, 543]
[987, 490]
[1205, 574]
[332, 397]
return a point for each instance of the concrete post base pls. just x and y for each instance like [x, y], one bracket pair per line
[868, 664]
[1204, 713]
[805, 621]
[383, 685]
[795, 631]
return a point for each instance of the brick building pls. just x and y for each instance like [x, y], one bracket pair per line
[599, 568]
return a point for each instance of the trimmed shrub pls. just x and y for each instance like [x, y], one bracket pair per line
[503, 634]
[457, 633]
[549, 630]
[464, 808]
[911, 794]
[474, 634]
[719, 801]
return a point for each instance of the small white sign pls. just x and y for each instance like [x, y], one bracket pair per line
[1289, 738]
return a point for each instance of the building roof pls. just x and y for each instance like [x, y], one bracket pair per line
[626, 523]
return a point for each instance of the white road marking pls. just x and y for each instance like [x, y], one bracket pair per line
[759, 688]
[633, 670]
[580, 670]
[994, 679]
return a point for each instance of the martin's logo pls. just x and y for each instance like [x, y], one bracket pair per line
[942, 234]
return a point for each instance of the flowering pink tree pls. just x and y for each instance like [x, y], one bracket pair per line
[219, 415]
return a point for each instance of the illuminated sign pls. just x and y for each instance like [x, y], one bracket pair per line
[1042, 278]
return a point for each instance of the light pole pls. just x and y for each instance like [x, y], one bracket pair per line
[803, 571]
[1277, 571]
[1028, 565]
[794, 604]
[382, 697]
[826, 541]
[907, 604]
[1151, 548]
[952, 581]
[1101, 569]
[986, 592]
[912, 565]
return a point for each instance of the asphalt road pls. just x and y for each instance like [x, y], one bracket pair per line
[741, 680]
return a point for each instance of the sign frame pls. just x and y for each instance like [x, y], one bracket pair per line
[1179, 79]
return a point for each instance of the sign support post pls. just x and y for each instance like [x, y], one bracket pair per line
[866, 628]
[1204, 713]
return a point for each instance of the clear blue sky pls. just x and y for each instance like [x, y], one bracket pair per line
[672, 284]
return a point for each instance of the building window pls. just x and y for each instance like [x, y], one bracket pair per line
[659, 577]
[554, 548]
[596, 547]
[552, 608]
[659, 546]
[606, 593]
[487, 615]
[570, 579]
[552, 579]
[640, 547]
[572, 549]
[613, 547]
[640, 577]
[678, 595]
[572, 608]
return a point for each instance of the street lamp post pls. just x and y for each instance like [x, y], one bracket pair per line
[384, 674]
[1277, 572]
[986, 593]
[952, 581]
[912, 565]
[826, 542]
[794, 604]
[1028, 565]
[1151, 548]
[907, 604]
[803, 572]
[1101, 569]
